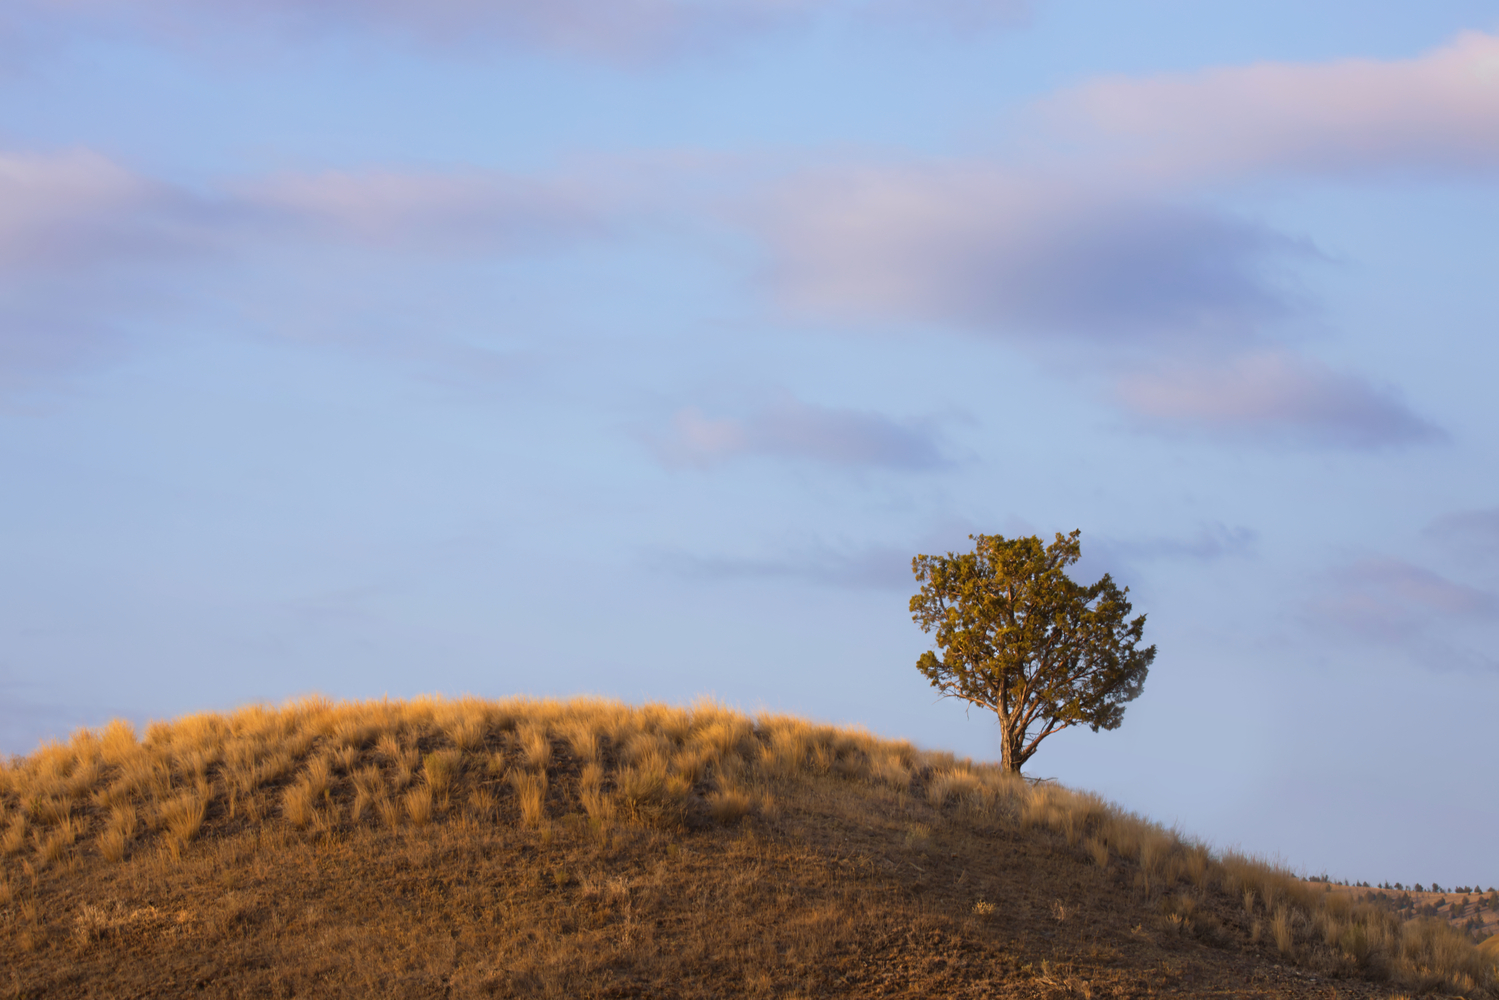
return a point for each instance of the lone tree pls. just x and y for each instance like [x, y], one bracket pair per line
[1020, 638]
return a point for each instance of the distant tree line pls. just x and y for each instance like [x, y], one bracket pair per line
[1401, 887]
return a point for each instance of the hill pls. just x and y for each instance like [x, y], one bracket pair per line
[1470, 910]
[529, 848]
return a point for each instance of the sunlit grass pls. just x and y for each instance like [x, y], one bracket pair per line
[315, 765]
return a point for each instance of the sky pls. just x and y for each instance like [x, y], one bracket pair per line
[634, 347]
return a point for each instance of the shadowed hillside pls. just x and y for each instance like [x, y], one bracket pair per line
[585, 848]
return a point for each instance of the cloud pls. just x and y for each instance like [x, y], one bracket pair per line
[1021, 257]
[1398, 602]
[78, 236]
[469, 209]
[1106, 249]
[1273, 396]
[815, 560]
[1468, 528]
[89, 247]
[1209, 543]
[1439, 111]
[887, 567]
[79, 208]
[793, 429]
[628, 31]
[873, 568]
[40, 339]
[1126, 559]
[1174, 301]
[65, 210]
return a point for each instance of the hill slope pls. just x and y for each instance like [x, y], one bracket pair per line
[469, 848]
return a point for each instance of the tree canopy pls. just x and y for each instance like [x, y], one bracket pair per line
[1022, 639]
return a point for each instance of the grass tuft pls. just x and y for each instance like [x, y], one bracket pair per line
[530, 796]
[418, 803]
[729, 806]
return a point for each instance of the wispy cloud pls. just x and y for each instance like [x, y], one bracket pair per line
[1479, 528]
[1129, 558]
[870, 568]
[619, 31]
[1022, 257]
[1273, 396]
[1397, 602]
[1113, 243]
[470, 209]
[1110, 240]
[77, 208]
[1176, 303]
[1470, 538]
[888, 567]
[793, 429]
[1439, 110]
[1208, 543]
[40, 339]
[79, 236]
[88, 247]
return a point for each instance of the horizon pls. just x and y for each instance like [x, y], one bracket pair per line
[635, 351]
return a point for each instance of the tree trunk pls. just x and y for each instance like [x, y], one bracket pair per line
[1010, 749]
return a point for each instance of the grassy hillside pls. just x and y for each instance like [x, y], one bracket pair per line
[1475, 912]
[585, 848]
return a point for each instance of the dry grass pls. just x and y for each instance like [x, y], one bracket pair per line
[418, 803]
[182, 816]
[14, 839]
[610, 801]
[299, 804]
[440, 769]
[729, 806]
[530, 796]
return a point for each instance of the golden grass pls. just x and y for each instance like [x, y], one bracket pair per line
[389, 812]
[470, 764]
[182, 816]
[14, 839]
[535, 746]
[729, 806]
[299, 804]
[441, 768]
[418, 803]
[112, 844]
[52, 844]
[530, 796]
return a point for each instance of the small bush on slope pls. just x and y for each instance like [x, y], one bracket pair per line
[443, 771]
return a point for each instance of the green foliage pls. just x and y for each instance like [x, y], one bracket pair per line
[1022, 639]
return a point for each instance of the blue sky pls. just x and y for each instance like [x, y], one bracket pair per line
[635, 348]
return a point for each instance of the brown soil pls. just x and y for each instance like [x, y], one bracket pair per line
[842, 891]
